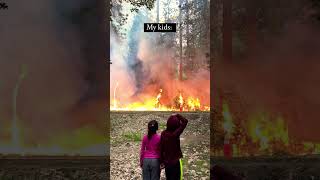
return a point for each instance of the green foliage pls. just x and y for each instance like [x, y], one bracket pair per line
[162, 126]
[132, 136]
[200, 164]
[119, 18]
[139, 3]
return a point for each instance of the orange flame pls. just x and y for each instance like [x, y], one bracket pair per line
[155, 104]
[114, 96]
[158, 103]
[181, 101]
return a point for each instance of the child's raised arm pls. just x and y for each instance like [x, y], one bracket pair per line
[183, 125]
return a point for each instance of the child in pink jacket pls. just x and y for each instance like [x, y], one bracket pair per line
[150, 153]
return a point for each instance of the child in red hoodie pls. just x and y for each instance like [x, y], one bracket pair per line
[170, 146]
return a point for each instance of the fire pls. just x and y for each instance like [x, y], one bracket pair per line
[265, 131]
[149, 103]
[262, 134]
[114, 96]
[194, 103]
[181, 102]
[158, 103]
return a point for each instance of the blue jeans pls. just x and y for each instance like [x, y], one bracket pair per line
[151, 169]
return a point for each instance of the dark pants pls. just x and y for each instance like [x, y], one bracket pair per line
[173, 171]
[151, 169]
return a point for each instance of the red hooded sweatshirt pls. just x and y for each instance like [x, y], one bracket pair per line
[170, 140]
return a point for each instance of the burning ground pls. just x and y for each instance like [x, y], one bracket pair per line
[127, 129]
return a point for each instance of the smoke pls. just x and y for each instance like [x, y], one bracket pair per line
[119, 72]
[133, 61]
[141, 66]
[282, 79]
[50, 40]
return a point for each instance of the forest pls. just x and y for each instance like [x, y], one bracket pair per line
[160, 71]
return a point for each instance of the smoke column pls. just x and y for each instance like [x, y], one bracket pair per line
[59, 43]
[134, 63]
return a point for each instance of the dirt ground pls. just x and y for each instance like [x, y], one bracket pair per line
[272, 168]
[53, 168]
[127, 129]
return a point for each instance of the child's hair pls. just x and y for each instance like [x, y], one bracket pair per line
[152, 128]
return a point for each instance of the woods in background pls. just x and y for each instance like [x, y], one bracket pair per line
[195, 29]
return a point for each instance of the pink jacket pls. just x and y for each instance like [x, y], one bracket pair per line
[150, 148]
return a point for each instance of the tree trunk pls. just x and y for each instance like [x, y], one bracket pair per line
[180, 42]
[187, 30]
[227, 30]
[252, 27]
[158, 14]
